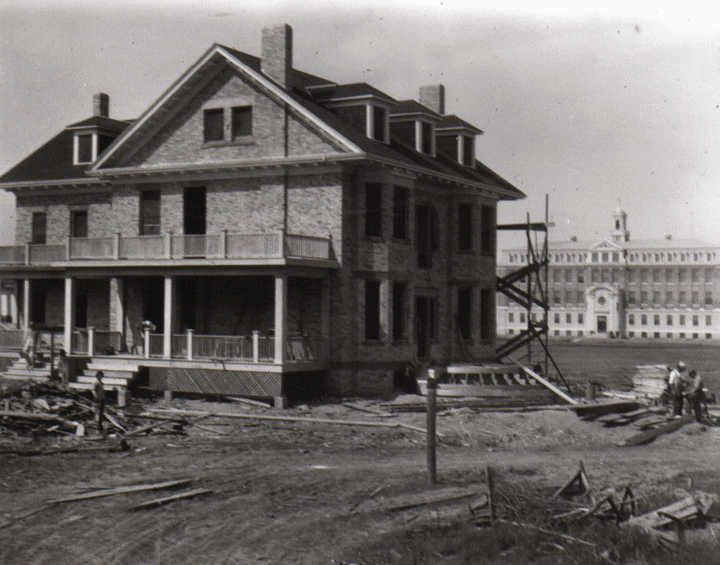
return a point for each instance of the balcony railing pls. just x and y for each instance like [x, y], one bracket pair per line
[275, 245]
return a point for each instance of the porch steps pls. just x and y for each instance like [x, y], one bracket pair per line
[21, 371]
[117, 374]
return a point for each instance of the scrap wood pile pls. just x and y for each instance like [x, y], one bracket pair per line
[666, 524]
[47, 408]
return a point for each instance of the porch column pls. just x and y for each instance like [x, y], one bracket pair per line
[26, 305]
[325, 317]
[117, 310]
[69, 319]
[168, 318]
[280, 318]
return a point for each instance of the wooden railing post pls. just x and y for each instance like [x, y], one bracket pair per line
[116, 246]
[256, 346]
[168, 244]
[67, 248]
[281, 237]
[223, 243]
[27, 253]
[189, 344]
[146, 342]
[91, 341]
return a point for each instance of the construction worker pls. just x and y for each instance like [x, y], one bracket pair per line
[694, 394]
[99, 392]
[677, 386]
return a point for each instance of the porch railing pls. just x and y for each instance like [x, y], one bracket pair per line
[11, 339]
[254, 348]
[171, 246]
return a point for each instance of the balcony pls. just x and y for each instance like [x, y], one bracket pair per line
[150, 248]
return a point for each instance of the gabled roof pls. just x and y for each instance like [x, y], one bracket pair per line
[306, 94]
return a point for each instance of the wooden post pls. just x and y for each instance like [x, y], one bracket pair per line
[91, 341]
[189, 344]
[430, 427]
[146, 342]
[256, 346]
[491, 493]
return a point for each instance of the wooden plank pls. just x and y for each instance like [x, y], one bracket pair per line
[121, 490]
[172, 498]
[547, 384]
[649, 435]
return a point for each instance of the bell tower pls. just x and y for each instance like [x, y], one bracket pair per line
[620, 232]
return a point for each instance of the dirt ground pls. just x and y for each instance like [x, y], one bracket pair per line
[303, 493]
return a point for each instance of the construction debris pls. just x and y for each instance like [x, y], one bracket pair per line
[44, 408]
[649, 435]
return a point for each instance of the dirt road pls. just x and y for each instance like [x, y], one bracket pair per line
[307, 494]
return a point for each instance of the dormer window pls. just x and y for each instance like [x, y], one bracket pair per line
[241, 121]
[468, 150]
[85, 148]
[426, 138]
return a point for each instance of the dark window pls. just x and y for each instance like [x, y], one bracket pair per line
[373, 209]
[372, 310]
[464, 312]
[487, 219]
[379, 123]
[195, 207]
[426, 239]
[39, 228]
[399, 292]
[468, 151]
[150, 212]
[81, 309]
[241, 121]
[37, 299]
[708, 299]
[214, 125]
[487, 312]
[85, 148]
[400, 208]
[427, 138]
[465, 227]
[79, 223]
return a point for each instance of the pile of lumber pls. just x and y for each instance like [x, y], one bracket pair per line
[650, 381]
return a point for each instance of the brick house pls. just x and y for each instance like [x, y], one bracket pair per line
[278, 231]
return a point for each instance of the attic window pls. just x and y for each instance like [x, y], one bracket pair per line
[214, 125]
[241, 121]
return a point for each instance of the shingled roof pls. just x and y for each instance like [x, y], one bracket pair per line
[53, 161]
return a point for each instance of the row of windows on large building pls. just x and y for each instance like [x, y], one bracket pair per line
[643, 276]
[644, 298]
[633, 319]
[624, 257]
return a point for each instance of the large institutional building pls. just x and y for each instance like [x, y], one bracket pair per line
[259, 230]
[620, 287]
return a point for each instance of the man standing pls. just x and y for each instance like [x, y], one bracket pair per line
[695, 394]
[676, 384]
[99, 392]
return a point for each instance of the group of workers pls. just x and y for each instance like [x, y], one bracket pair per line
[681, 387]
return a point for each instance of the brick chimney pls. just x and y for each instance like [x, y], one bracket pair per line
[277, 53]
[101, 105]
[433, 96]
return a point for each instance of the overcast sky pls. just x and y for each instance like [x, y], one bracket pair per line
[615, 106]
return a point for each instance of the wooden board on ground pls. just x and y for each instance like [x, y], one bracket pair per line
[649, 435]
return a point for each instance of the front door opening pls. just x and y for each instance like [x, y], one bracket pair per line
[602, 324]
